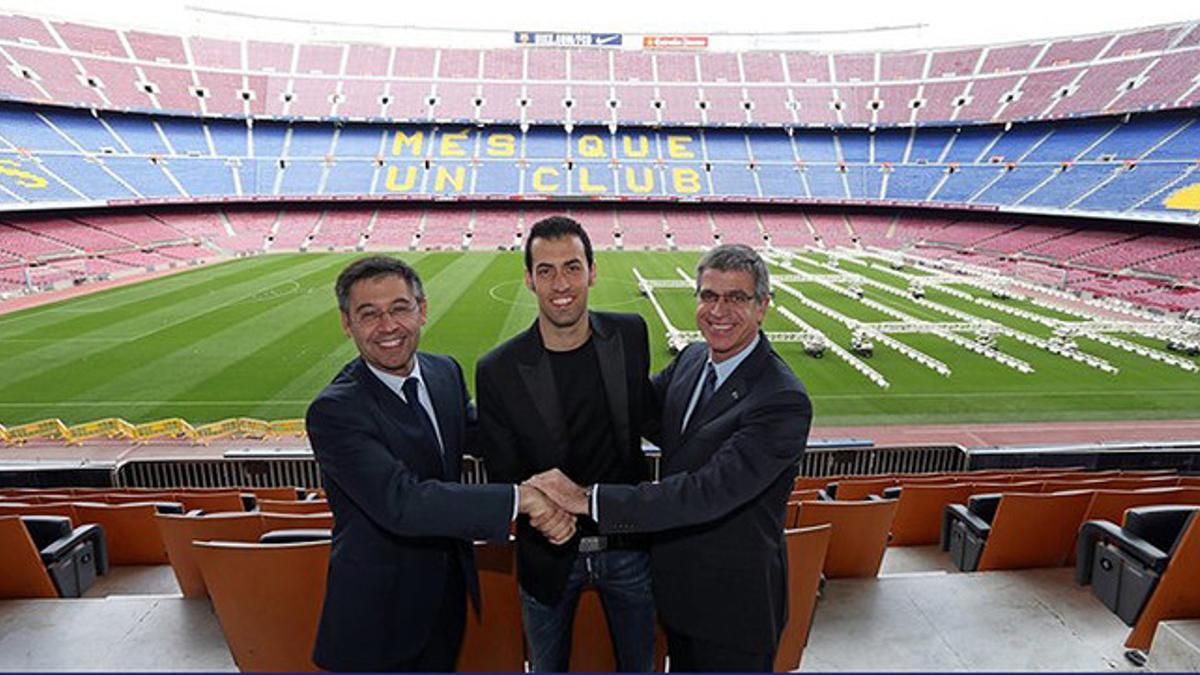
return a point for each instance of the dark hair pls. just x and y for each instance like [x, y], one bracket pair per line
[556, 227]
[737, 257]
[371, 267]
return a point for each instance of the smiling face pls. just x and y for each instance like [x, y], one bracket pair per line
[728, 327]
[384, 319]
[560, 277]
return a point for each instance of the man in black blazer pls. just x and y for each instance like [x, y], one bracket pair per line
[734, 426]
[572, 391]
[388, 434]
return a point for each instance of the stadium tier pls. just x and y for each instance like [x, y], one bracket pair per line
[92, 66]
[1143, 165]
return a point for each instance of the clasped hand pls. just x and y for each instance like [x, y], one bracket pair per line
[552, 501]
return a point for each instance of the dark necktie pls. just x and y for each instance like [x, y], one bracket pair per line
[414, 403]
[706, 392]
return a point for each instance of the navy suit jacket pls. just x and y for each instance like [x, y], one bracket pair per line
[718, 562]
[402, 521]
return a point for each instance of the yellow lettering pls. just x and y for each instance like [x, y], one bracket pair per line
[414, 141]
[686, 180]
[643, 147]
[450, 144]
[410, 179]
[502, 145]
[631, 180]
[24, 178]
[677, 148]
[585, 186]
[541, 185]
[459, 179]
[592, 147]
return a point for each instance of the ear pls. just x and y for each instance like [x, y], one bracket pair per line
[422, 307]
[592, 274]
[528, 280]
[346, 324]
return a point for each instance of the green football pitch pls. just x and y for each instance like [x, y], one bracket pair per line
[259, 337]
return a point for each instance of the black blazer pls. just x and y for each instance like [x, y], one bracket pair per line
[402, 521]
[718, 562]
[522, 431]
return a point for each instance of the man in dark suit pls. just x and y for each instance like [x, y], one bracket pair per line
[735, 423]
[572, 391]
[388, 434]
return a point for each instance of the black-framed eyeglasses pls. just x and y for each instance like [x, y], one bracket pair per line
[732, 298]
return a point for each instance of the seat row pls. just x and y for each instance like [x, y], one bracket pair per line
[267, 597]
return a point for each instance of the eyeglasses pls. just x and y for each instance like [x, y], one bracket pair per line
[736, 299]
[371, 316]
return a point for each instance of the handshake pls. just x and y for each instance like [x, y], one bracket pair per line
[552, 501]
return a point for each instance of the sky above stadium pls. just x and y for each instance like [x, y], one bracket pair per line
[918, 23]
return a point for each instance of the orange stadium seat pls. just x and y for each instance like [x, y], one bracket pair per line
[494, 641]
[860, 534]
[806, 550]
[1027, 530]
[1111, 505]
[859, 489]
[210, 502]
[66, 510]
[919, 510]
[296, 521]
[280, 506]
[282, 494]
[268, 600]
[133, 536]
[22, 574]
[805, 495]
[1177, 595]
[136, 498]
[179, 531]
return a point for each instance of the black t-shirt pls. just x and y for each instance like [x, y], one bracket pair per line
[593, 455]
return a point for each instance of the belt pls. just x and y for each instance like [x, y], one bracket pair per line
[597, 543]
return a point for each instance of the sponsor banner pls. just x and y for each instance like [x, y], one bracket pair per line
[216, 429]
[675, 42]
[551, 39]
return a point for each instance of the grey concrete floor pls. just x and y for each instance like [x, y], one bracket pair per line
[918, 615]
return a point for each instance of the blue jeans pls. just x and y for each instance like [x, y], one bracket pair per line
[622, 577]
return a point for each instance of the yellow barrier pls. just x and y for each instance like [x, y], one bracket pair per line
[52, 429]
[111, 427]
[175, 427]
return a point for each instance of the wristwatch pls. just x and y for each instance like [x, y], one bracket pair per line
[587, 494]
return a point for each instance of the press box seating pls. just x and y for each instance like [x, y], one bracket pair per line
[44, 557]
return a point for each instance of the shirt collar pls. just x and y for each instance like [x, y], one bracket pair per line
[725, 368]
[396, 382]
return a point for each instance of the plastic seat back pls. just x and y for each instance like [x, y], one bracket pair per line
[494, 641]
[297, 521]
[22, 574]
[280, 506]
[857, 490]
[1034, 530]
[51, 509]
[178, 532]
[860, 534]
[133, 536]
[268, 600]
[806, 550]
[281, 494]
[1111, 505]
[1177, 595]
[919, 510]
[212, 502]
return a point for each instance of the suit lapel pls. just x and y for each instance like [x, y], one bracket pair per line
[537, 376]
[734, 389]
[610, 350]
[683, 385]
[394, 413]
